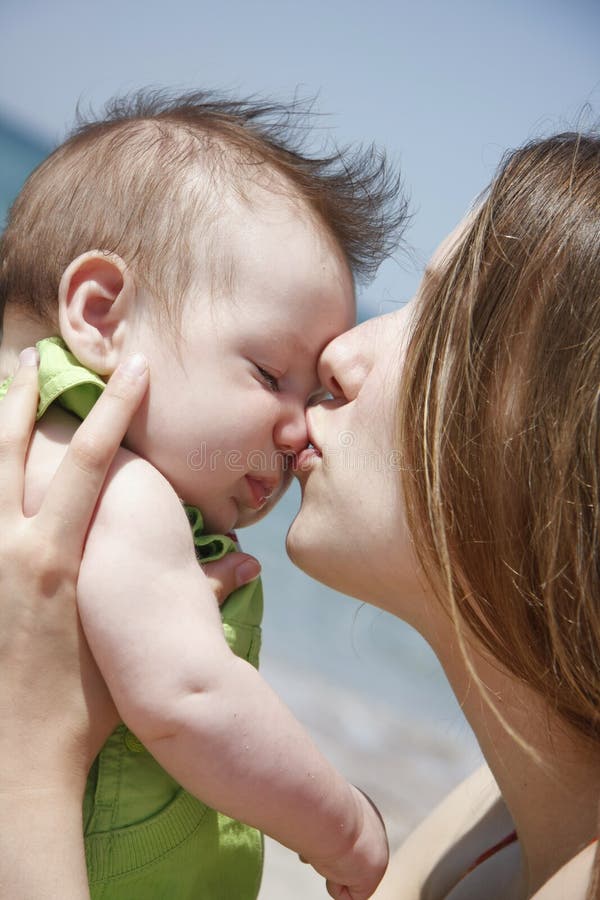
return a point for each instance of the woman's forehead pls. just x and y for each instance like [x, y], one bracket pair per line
[374, 336]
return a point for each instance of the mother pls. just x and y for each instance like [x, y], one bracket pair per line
[478, 523]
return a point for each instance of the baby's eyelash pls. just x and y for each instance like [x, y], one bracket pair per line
[270, 379]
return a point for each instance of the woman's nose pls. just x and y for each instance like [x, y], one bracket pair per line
[343, 365]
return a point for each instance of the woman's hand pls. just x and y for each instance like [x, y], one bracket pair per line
[55, 711]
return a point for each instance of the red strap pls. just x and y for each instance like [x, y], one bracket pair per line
[505, 842]
[509, 839]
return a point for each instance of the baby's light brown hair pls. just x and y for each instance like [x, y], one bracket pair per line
[140, 179]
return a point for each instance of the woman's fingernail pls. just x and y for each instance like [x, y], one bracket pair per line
[247, 571]
[29, 357]
[135, 365]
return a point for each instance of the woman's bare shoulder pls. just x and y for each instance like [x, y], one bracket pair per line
[572, 880]
[472, 818]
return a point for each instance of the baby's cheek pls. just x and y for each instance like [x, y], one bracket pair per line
[287, 476]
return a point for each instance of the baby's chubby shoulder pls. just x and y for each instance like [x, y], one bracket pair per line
[137, 501]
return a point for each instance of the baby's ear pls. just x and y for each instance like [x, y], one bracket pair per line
[96, 301]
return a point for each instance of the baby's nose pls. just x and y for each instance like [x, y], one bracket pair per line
[291, 434]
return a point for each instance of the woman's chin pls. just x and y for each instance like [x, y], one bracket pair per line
[296, 547]
[304, 548]
[313, 553]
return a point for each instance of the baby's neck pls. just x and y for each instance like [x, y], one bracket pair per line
[19, 331]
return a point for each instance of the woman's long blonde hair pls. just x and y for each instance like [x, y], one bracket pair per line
[500, 421]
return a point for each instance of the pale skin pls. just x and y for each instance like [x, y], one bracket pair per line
[206, 715]
[546, 785]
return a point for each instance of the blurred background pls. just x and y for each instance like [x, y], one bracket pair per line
[445, 89]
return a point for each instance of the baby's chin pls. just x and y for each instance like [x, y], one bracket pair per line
[227, 519]
[249, 516]
[220, 518]
[218, 521]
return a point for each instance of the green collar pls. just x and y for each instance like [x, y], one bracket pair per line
[63, 379]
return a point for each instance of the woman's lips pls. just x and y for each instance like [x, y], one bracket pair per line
[306, 459]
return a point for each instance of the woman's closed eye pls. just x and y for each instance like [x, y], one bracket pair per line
[270, 380]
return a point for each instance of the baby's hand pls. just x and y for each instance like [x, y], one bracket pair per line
[355, 874]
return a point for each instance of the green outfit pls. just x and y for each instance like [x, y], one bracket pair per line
[145, 837]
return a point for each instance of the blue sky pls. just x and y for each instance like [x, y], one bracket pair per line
[445, 87]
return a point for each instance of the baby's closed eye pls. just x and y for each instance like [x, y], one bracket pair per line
[270, 380]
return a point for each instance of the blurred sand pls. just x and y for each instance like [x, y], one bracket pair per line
[405, 766]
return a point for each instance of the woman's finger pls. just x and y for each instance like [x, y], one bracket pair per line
[17, 418]
[231, 572]
[74, 490]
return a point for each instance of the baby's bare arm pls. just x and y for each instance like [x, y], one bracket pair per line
[207, 716]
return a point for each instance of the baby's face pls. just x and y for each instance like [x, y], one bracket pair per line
[225, 409]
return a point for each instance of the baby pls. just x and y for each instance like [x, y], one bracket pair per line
[191, 230]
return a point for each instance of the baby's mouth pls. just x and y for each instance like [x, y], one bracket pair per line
[260, 491]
